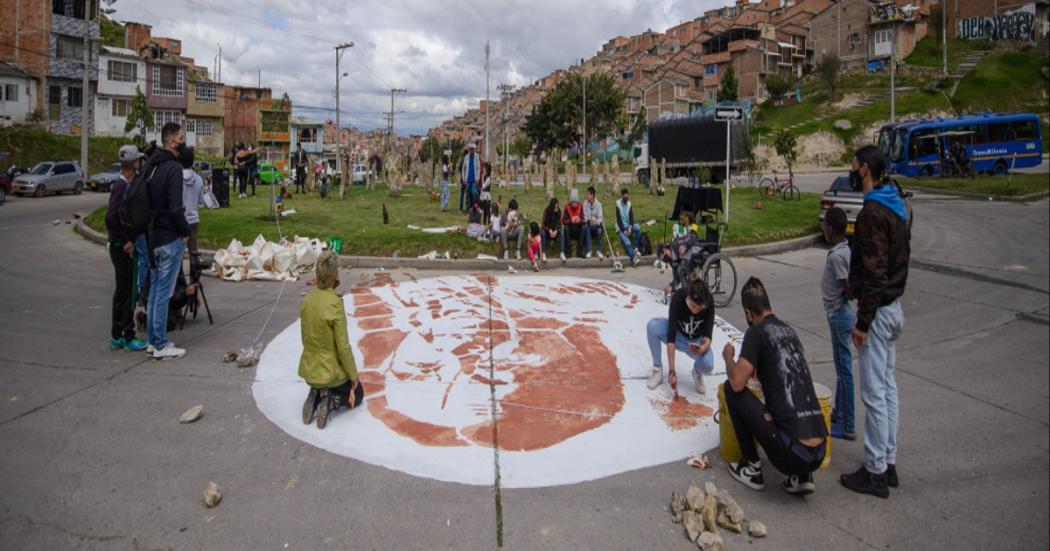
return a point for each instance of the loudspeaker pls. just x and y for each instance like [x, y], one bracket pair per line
[220, 186]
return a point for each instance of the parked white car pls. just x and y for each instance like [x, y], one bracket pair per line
[50, 177]
[359, 173]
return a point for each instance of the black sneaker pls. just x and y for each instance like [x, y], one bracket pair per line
[324, 407]
[800, 485]
[864, 482]
[891, 476]
[747, 473]
[310, 405]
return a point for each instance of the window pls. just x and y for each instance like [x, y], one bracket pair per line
[63, 168]
[1025, 130]
[70, 8]
[69, 48]
[711, 70]
[73, 98]
[122, 71]
[923, 143]
[54, 102]
[854, 38]
[167, 80]
[307, 135]
[121, 107]
[202, 127]
[10, 92]
[162, 117]
[999, 132]
[207, 91]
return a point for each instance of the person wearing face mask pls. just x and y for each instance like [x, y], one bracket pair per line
[168, 229]
[878, 274]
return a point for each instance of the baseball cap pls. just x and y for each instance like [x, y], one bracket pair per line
[129, 153]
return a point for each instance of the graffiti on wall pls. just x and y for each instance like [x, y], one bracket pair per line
[1016, 25]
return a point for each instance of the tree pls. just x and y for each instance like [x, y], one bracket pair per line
[431, 150]
[557, 121]
[778, 85]
[727, 88]
[521, 146]
[785, 144]
[139, 116]
[828, 70]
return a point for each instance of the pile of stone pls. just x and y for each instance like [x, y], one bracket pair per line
[703, 512]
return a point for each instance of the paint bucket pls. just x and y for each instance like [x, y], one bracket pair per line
[728, 446]
[335, 245]
[824, 399]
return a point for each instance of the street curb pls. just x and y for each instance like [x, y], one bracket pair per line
[981, 196]
[374, 262]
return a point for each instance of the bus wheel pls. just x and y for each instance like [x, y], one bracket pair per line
[1000, 168]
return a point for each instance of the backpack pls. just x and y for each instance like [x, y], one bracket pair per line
[645, 245]
[134, 211]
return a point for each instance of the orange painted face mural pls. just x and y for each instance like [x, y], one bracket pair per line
[562, 361]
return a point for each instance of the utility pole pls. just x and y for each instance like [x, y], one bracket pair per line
[893, 74]
[390, 122]
[488, 157]
[944, 37]
[584, 126]
[85, 91]
[504, 93]
[338, 128]
[218, 72]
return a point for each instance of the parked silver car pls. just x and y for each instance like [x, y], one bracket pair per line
[50, 177]
[841, 195]
[103, 181]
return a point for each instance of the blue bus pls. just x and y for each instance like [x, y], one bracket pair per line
[993, 142]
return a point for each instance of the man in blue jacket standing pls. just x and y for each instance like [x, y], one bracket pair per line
[469, 174]
[168, 228]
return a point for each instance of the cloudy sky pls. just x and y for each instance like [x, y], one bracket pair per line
[434, 49]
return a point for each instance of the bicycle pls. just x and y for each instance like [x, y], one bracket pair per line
[785, 187]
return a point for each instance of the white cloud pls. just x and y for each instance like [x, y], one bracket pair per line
[433, 49]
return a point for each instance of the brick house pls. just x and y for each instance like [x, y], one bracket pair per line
[25, 36]
[860, 32]
[65, 94]
[166, 87]
[1007, 20]
[253, 116]
[205, 110]
[17, 92]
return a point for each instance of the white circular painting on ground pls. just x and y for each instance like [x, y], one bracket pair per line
[564, 359]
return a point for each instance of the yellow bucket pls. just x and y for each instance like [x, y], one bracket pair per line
[729, 447]
[824, 399]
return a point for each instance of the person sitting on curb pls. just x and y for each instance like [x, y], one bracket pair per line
[326, 363]
[572, 224]
[594, 218]
[628, 231]
[789, 425]
[687, 327]
[551, 226]
[512, 229]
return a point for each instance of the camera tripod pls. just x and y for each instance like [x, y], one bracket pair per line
[193, 305]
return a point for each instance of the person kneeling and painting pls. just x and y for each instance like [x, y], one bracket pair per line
[789, 425]
[326, 364]
[687, 328]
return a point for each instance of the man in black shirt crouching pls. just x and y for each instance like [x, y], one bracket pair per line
[789, 425]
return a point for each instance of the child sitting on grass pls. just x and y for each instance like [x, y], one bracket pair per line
[535, 245]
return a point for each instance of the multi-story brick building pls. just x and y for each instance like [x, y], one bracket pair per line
[863, 32]
[25, 41]
[71, 22]
[253, 116]
[1002, 20]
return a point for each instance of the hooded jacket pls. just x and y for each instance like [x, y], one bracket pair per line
[168, 219]
[879, 253]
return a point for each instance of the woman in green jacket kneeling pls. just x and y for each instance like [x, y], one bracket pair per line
[326, 363]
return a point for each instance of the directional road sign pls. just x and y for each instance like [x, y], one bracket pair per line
[729, 113]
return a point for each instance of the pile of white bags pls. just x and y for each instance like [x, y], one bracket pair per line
[266, 260]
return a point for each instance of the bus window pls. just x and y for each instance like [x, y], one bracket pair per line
[1025, 130]
[999, 132]
[923, 143]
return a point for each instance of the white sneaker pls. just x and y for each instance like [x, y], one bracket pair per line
[698, 383]
[588, 254]
[150, 350]
[543, 256]
[169, 352]
[517, 255]
[656, 376]
[506, 254]
[637, 259]
[563, 257]
[600, 255]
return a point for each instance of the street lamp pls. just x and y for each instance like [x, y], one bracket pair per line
[338, 128]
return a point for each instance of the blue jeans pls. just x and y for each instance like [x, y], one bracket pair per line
[593, 231]
[143, 260]
[656, 332]
[444, 194]
[878, 387]
[162, 284]
[463, 186]
[636, 231]
[840, 322]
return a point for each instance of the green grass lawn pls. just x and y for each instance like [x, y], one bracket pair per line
[1004, 186]
[31, 145]
[358, 219]
[927, 52]
[1004, 81]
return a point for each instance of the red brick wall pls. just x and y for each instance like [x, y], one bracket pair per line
[137, 35]
[29, 30]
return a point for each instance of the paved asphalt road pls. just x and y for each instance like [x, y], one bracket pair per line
[92, 454]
